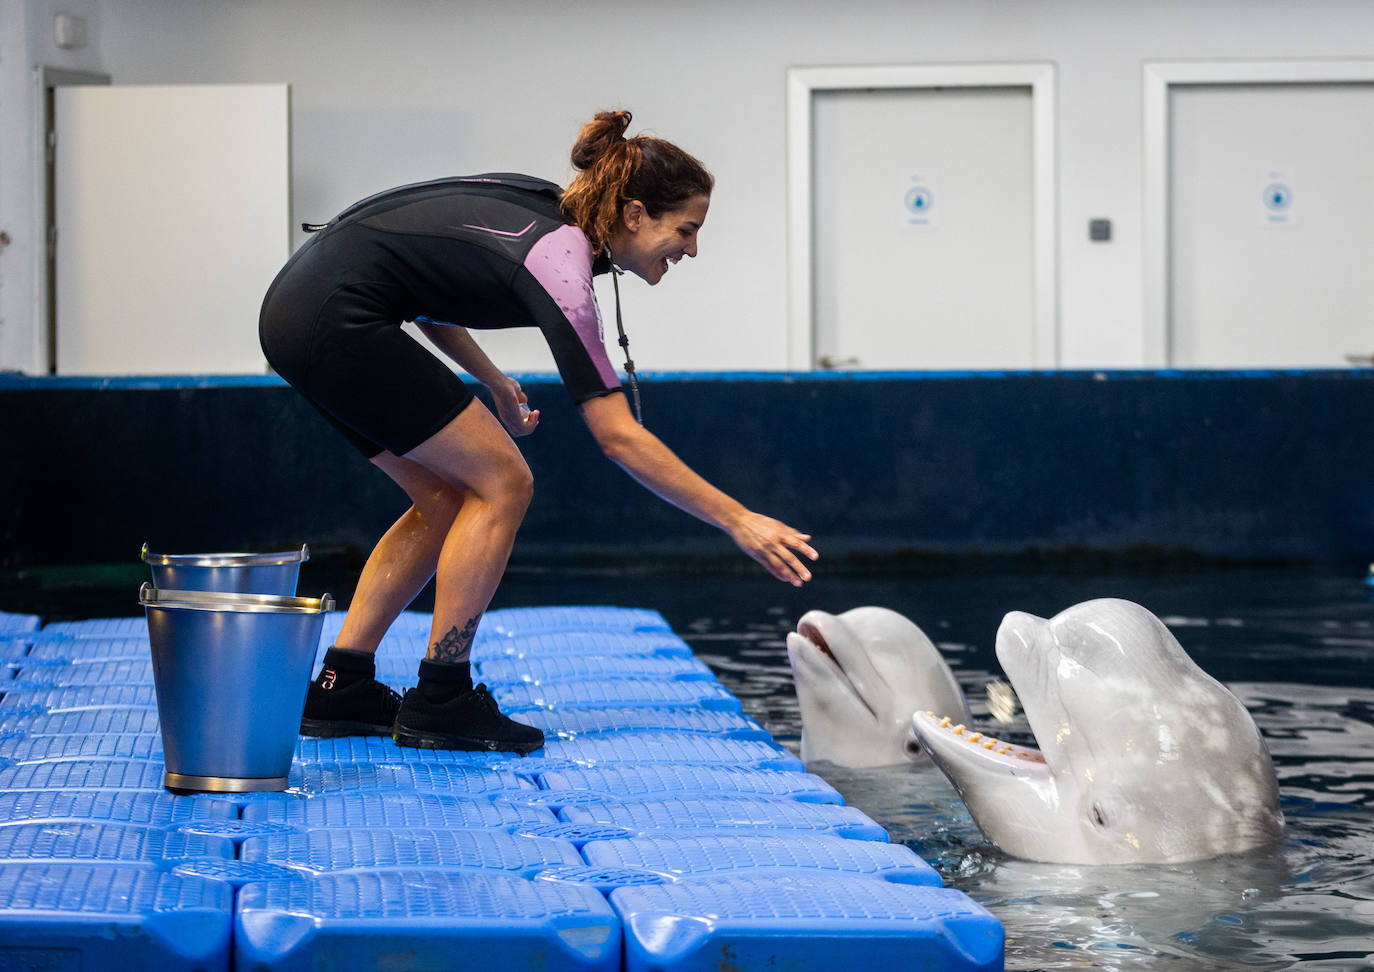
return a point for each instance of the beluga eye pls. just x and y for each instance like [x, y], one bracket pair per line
[1100, 819]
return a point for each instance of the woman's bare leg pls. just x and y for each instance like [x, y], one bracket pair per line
[469, 487]
[405, 558]
[473, 453]
[346, 699]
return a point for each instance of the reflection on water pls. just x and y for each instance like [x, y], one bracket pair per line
[1294, 647]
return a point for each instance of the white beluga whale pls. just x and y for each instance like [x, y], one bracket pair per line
[859, 677]
[1142, 758]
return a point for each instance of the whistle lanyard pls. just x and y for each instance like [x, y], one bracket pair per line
[625, 343]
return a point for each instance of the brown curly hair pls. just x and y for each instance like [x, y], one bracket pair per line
[613, 169]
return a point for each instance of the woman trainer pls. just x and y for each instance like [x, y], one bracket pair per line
[490, 251]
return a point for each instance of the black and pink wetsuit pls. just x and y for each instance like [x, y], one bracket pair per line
[482, 252]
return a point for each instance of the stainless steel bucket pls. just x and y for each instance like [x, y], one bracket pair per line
[243, 573]
[231, 672]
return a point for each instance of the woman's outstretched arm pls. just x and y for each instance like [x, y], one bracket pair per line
[774, 544]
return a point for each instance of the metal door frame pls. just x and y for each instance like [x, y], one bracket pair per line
[1159, 76]
[46, 81]
[804, 82]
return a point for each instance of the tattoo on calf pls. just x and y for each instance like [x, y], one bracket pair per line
[456, 646]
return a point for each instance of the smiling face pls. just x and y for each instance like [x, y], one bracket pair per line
[1142, 756]
[646, 245]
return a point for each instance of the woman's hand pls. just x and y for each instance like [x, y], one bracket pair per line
[772, 543]
[512, 407]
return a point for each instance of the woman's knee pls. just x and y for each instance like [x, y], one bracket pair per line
[514, 486]
[474, 453]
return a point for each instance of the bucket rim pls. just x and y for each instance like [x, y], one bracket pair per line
[152, 597]
[227, 559]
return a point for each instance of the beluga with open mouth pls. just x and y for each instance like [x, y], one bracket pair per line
[859, 677]
[1141, 756]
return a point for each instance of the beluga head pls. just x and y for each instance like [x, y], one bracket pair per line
[1142, 758]
[859, 676]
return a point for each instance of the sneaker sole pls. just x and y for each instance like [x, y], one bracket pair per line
[434, 740]
[333, 729]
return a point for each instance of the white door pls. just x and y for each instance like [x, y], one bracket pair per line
[1271, 224]
[924, 235]
[173, 216]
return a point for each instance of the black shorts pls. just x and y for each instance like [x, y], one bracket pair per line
[333, 340]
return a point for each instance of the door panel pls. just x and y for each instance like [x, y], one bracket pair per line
[1271, 224]
[924, 222]
[173, 216]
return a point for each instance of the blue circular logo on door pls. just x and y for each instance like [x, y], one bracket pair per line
[918, 200]
[1277, 197]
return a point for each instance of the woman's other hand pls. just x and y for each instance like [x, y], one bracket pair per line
[512, 407]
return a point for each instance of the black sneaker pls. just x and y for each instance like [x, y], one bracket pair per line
[365, 708]
[470, 720]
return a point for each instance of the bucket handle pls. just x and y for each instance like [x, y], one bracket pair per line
[148, 594]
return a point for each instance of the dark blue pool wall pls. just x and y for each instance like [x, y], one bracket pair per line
[1246, 466]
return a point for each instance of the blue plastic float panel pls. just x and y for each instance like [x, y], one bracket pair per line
[319, 850]
[435, 777]
[18, 624]
[714, 855]
[599, 644]
[595, 692]
[680, 748]
[425, 919]
[562, 668]
[807, 924]
[126, 671]
[100, 840]
[59, 650]
[128, 745]
[112, 916]
[659, 781]
[571, 723]
[399, 809]
[659, 827]
[20, 695]
[92, 721]
[82, 774]
[98, 628]
[711, 813]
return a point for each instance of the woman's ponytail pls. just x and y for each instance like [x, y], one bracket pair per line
[598, 137]
[612, 170]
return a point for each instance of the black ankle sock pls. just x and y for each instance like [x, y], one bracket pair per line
[442, 681]
[342, 667]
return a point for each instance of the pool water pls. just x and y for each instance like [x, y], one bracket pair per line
[1295, 646]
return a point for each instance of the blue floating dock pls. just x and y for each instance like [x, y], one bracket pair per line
[755, 855]
[660, 828]
[659, 781]
[99, 840]
[808, 924]
[571, 723]
[319, 851]
[18, 624]
[424, 919]
[112, 916]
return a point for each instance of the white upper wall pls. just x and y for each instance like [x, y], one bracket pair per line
[390, 92]
[26, 40]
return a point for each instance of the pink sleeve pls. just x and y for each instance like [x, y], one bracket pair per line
[562, 264]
